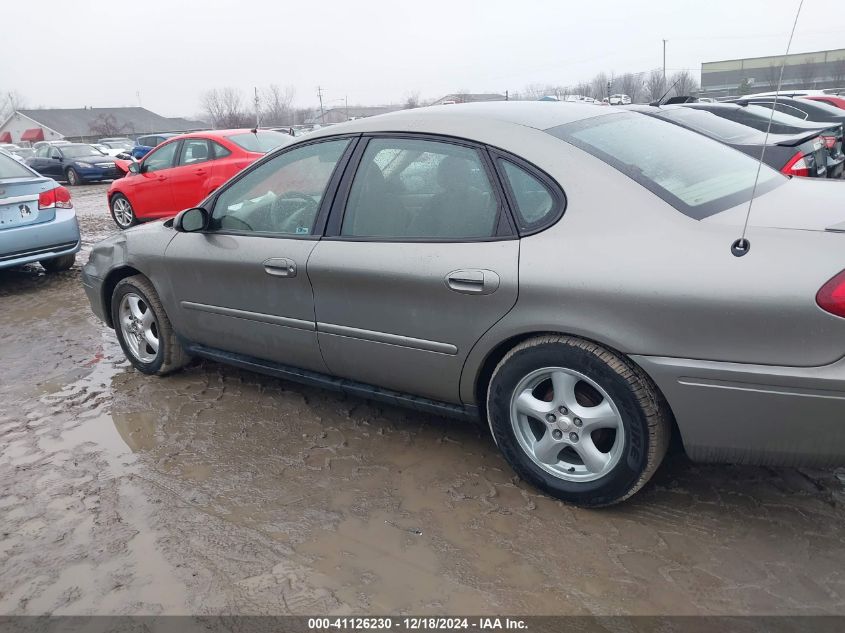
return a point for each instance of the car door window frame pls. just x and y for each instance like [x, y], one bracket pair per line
[209, 152]
[558, 195]
[325, 204]
[505, 225]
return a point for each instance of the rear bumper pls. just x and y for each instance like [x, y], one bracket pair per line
[36, 242]
[755, 414]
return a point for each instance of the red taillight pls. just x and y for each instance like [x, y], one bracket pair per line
[58, 198]
[829, 141]
[831, 296]
[796, 166]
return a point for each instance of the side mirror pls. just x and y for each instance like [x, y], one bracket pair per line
[191, 220]
[134, 167]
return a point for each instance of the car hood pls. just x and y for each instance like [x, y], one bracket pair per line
[91, 159]
[806, 204]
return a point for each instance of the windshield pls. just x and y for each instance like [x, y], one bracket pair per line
[262, 141]
[10, 168]
[119, 144]
[695, 174]
[713, 126]
[79, 151]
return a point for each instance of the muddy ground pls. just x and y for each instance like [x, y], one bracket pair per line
[220, 491]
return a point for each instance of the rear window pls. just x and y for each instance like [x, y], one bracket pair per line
[695, 174]
[713, 126]
[10, 168]
[262, 141]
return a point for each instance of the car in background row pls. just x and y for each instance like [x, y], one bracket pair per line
[183, 170]
[758, 117]
[144, 144]
[619, 99]
[815, 111]
[794, 155]
[76, 163]
[37, 219]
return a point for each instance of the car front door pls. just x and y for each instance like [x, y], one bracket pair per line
[54, 165]
[152, 194]
[188, 180]
[419, 260]
[241, 284]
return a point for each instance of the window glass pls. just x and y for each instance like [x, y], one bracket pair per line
[712, 125]
[10, 168]
[533, 200]
[281, 196]
[262, 141]
[54, 153]
[420, 189]
[43, 151]
[194, 150]
[219, 150]
[161, 158]
[697, 175]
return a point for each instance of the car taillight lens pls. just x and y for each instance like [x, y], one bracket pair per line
[831, 296]
[829, 141]
[797, 166]
[58, 198]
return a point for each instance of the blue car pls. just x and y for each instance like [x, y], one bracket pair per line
[77, 163]
[37, 219]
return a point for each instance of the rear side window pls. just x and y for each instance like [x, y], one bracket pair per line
[695, 174]
[10, 168]
[535, 204]
[219, 150]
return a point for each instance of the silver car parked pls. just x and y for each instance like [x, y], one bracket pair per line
[562, 270]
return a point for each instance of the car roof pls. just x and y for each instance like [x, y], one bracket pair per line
[540, 115]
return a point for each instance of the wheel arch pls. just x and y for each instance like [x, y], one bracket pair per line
[114, 277]
[498, 352]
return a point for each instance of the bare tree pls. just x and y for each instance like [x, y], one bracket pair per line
[107, 125]
[632, 85]
[655, 85]
[684, 82]
[9, 102]
[276, 105]
[807, 73]
[598, 86]
[225, 109]
[583, 88]
[412, 99]
[773, 75]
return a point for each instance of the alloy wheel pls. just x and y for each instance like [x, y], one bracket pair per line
[567, 424]
[123, 214]
[139, 327]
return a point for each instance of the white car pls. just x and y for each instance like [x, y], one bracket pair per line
[105, 149]
[619, 99]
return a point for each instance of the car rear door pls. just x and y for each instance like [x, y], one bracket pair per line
[419, 260]
[188, 180]
[241, 285]
[152, 194]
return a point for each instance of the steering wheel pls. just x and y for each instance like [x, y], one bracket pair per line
[291, 223]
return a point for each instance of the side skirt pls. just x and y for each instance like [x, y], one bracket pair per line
[324, 381]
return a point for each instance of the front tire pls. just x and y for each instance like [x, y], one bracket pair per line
[577, 420]
[122, 212]
[143, 328]
[73, 177]
[58, 264]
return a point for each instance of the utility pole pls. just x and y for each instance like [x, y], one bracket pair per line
[664, 61]
[320, 97]
[507, 95]
[257, 110]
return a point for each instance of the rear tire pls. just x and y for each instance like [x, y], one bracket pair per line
[122, 212]
[143, 328]
[58, 264]
[577, 420]
[73, 178]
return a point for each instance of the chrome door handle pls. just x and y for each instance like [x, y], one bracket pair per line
[280, 267]
[473, 281]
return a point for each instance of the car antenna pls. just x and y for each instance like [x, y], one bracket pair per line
[660, 100]
[741, 246]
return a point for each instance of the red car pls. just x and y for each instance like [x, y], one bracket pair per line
[833, 100]
[182, 171]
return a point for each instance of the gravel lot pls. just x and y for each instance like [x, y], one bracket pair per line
[220, 491]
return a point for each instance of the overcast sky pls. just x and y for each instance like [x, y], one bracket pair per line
[98, 53]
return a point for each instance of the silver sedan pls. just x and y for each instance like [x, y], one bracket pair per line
[563, 271]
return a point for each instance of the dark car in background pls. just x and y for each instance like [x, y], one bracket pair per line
[757, 116]
[801, 154]
[76, 163]
[145, 143]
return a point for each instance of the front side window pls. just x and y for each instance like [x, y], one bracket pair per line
[419, 189]
[281, 196]
[695, 174]
[194, 150]
[534, 201]
[161, 158]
